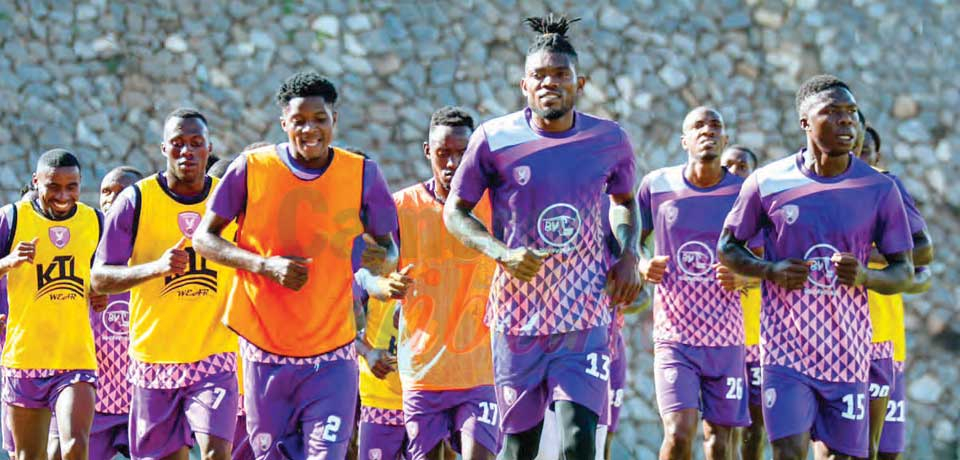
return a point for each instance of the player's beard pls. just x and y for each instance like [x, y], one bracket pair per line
[552, 114]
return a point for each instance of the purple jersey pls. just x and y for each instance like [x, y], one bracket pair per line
[547, 191]
[822, 330]
[111, 329]
[916, 221]
[690, 306]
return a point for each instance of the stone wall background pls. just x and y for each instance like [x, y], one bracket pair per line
[98, 77]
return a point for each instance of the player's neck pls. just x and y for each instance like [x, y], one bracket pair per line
[704, 174]
[823, 163]
[311, 163]
[439, 191]
[184, 188]
[558, 125]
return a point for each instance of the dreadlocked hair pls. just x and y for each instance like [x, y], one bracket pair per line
[552, 35]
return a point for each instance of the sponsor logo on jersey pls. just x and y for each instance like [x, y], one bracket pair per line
[695, 258]
[58, 279]
[822, 272]
[116, 318]
[197, 281]
[559, 225]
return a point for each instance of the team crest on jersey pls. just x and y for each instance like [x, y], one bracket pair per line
[559, 225]
[695, 258]
[188, 222]
[670, 212]
[790, 213]
[59, 236]
[521, 174]
[670, 375]
[822, 273]
[375, 454]
[509, 395]
[769, 397]
[263, 441]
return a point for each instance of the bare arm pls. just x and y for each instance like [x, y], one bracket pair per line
[896, 277]
[625, 221]
[460, 221]
[113, 279]
[209, 243]
[734, 254]
[922, 248]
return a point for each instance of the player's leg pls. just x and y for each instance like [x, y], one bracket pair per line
[522, 445]
[53, 440]
[476, 420]
[327, 418]
[842, 424]
[211, 410]
[754, 437]
[75, 405]
[30, 428]
[790, 407]
[881, 381]
[380, 441]
[677, 385]
[892, 439]
[578, 430]
[724, 398]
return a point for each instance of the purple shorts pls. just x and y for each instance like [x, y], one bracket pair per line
[618, 383]
[163, 421]
[832, 412]
[710, 379]
[755, 383]
[382, 442]
[300, 411]
[893, 437]
[432, 416]
[42, 392]
[109, 436]
[531, 372]
[241, 445]
[881, 378]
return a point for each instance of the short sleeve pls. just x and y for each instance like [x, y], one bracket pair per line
[6, 229]
[745, 219]
[379, 212]
[892, 230]
[624, 175]
[914, 218]
[473, 176]
[644, 201]
[119, 229]
[229, 200]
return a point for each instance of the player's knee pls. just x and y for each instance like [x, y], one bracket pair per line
[74, 448]
[718, 444]
[578, 444]
[679, 434]
[789, 449]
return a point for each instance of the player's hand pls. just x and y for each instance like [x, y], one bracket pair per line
[98, 302]
[523, 263]
[381, 362]
[848, 268]
[3, 323]
[652, 270]
[790, 274]
[641, 303]
[374, 256]
[22, 253]
[175, 260]
[623, 281]
[729, 280]
[392, 286]
[288, 271]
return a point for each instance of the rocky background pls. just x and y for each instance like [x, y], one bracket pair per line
[98, 77]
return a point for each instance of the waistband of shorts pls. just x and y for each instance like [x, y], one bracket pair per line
[380, 416]
[253, 353]
[169, 376]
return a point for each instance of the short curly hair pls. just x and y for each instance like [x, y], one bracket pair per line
[816, 85]
[306, 84]
[451, 116]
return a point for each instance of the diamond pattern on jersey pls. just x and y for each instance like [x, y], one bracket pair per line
[823, 333]
[752, 354]
[881, 350]
[392, 417]
[113, 394]
[696, 311]
[33, 373]
[156, 376]
[253, 353]
[566, 295]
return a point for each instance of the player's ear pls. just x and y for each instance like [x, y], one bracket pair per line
[683, 141]
[426, 150]
[335, 115]
[804, 123]
[581, 82]
[523, 86]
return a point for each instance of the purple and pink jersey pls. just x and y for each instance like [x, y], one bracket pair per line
[547, 192]
[690, 306]
[378, 213]
[822, 330]
[111, 329]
